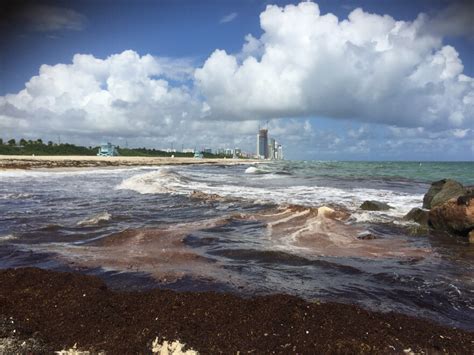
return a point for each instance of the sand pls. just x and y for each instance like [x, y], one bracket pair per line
[70, 161]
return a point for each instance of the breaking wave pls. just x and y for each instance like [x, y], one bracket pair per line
[99, 218]
[161, 181]
[168, 180]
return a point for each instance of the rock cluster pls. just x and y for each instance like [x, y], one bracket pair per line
[447, 206]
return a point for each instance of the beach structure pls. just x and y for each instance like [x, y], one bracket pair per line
[107, 150]
[198, 155]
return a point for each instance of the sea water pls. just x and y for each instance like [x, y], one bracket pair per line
[248, 229]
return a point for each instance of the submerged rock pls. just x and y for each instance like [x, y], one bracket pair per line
[417, 215]
[375, 206]
[367, 236]
[455, 215]
[441, 191]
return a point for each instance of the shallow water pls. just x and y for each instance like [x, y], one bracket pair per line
[144, 227]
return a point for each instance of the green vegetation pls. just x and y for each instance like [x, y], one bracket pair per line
[37, 147]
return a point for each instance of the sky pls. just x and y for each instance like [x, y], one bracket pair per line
[332, 80]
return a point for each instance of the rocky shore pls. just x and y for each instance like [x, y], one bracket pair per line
[448, 206]
[44, 311]
[46, 162]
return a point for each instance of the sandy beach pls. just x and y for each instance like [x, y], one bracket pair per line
[42, 162]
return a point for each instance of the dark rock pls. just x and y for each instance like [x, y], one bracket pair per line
[367, 236]
[465, 199]
[417, 215]
[441, 191]
[418, 229]
[375, 206]
[471, 236]
[453, 217]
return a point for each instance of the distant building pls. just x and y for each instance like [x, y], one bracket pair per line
[279, 152]
[262, 144]
[207, 150]
[188, 150]
[107, 150]
[272, 149]
[237, 152]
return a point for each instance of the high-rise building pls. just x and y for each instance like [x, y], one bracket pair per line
[271, 149]
[280, 152]
[262, 144]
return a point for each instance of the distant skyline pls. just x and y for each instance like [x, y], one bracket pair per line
[336, 80]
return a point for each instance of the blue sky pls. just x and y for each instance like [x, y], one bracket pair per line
[200, 97]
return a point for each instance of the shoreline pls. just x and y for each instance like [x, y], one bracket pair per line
[52, 310]
[8, 162]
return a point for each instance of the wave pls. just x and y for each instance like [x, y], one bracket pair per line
[168, 180]
[97, 219]
[164, 180]
[256, 170]
[323, 232]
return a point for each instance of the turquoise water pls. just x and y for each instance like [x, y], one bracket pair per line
[415, 171]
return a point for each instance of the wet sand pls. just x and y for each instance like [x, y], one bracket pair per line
[44, 162]
[54, 311]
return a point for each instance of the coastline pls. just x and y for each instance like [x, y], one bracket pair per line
[8, 162]
[56, 310]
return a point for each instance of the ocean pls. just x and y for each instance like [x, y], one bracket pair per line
[277, 227]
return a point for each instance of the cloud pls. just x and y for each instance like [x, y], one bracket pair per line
[144, 99]
[455, 20]
[229, 18]
[46, 18]
[124, 94]
[367, 67]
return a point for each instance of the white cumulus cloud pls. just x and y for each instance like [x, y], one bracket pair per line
[124, 94]
[367, 67]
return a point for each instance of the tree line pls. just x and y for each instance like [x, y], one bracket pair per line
[38, 147]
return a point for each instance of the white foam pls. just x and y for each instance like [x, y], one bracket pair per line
[15, 196]
[161, 181]
[4, 238]
[51, 172]
[96, 219]
[170, 181]
[251, 170]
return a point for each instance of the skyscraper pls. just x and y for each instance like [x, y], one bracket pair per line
[271, 148]
[262, 143]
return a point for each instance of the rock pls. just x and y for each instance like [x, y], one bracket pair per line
[441, 191]
[465, 199]
[418, 229]
[455, 216]
[367, 236]
[417, 215]
[375, 206]
[471, 237]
